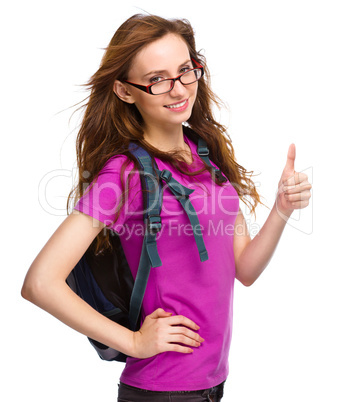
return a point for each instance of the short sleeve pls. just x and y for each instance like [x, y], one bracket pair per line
[101, 200]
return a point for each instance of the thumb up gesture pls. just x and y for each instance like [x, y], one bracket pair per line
[293, 187]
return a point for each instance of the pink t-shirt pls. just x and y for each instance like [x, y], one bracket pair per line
[201, 291]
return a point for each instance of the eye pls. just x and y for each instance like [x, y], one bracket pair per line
[185, 68]
[153, 80]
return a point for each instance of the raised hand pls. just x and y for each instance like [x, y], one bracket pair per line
[293, 187]
[162, 332]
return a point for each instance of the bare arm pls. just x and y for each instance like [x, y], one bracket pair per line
[45, 285]
[252, 256]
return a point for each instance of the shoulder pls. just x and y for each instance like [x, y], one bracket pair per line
[116, 163]
[117, 180]
[118, 167]
[117, 174]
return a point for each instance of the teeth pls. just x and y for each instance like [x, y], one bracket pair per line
[177, 105]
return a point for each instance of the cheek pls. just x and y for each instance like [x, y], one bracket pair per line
[194, 91]
[193, 94]
[145, 104]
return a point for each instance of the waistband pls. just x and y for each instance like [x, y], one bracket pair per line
[216, 390]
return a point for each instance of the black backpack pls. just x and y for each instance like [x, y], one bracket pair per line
[105, 281]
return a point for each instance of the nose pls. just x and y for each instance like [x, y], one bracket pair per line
[178, 89]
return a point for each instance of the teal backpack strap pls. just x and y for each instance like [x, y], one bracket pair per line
[203, 153]
[182, 194]
[149, 254]
[152, 219]
[140, 285]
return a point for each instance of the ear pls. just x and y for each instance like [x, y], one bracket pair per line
[121, 90]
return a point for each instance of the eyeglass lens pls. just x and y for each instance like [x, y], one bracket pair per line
[187, 78]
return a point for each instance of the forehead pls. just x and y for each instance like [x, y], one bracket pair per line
[165, 53]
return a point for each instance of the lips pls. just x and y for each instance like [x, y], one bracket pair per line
[178, 107]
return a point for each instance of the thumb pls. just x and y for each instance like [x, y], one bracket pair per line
[289, 168]
[159, 313]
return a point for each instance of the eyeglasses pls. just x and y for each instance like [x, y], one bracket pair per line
[164, 86]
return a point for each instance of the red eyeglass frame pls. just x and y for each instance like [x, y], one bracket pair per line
[147, 88]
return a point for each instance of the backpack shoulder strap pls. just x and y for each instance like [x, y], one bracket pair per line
[151, 178]
[152, 202]
[203, 153]
[154, 176]
[151, 214]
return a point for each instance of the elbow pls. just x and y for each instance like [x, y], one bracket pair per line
[245, 279]
[27, 291]
[24, 292]
[32, 289]
[247, 275]
[247, 282]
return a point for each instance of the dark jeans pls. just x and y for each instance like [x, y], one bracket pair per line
[132, 394]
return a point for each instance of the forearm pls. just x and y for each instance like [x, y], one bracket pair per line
[257, 254]
[57, 299]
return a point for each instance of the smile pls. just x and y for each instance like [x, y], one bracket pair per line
[178, 106]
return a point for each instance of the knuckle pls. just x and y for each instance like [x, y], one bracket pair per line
[182, 331]
[176, 348]
[158, 347]
[182, 338]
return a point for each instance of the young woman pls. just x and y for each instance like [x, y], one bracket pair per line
[152, 88]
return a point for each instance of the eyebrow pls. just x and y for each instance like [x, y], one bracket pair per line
[163, 71]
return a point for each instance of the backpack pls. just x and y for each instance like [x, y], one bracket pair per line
[105, 281]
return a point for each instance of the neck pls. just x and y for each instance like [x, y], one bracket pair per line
[172, 140]
[169, 141]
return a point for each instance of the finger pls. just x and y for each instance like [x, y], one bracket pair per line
[300, 204]
[159, 313]
[182, 320]
[184, 340]
[175, 330]
[290, 158]
[174, 347]
[305, 195]
[296, 179]
[304, 186]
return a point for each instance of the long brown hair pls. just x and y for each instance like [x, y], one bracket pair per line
[109, 124]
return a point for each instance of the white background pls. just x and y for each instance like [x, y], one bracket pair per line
[282, 68]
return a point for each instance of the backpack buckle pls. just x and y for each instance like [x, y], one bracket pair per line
[165, 175]
[203, 151]
[220, 176]
[154, 223]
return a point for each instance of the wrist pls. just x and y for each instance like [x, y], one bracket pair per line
[134, 342]
[123, 340]
[284, 214]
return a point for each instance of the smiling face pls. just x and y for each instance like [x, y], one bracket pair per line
[164, 58]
